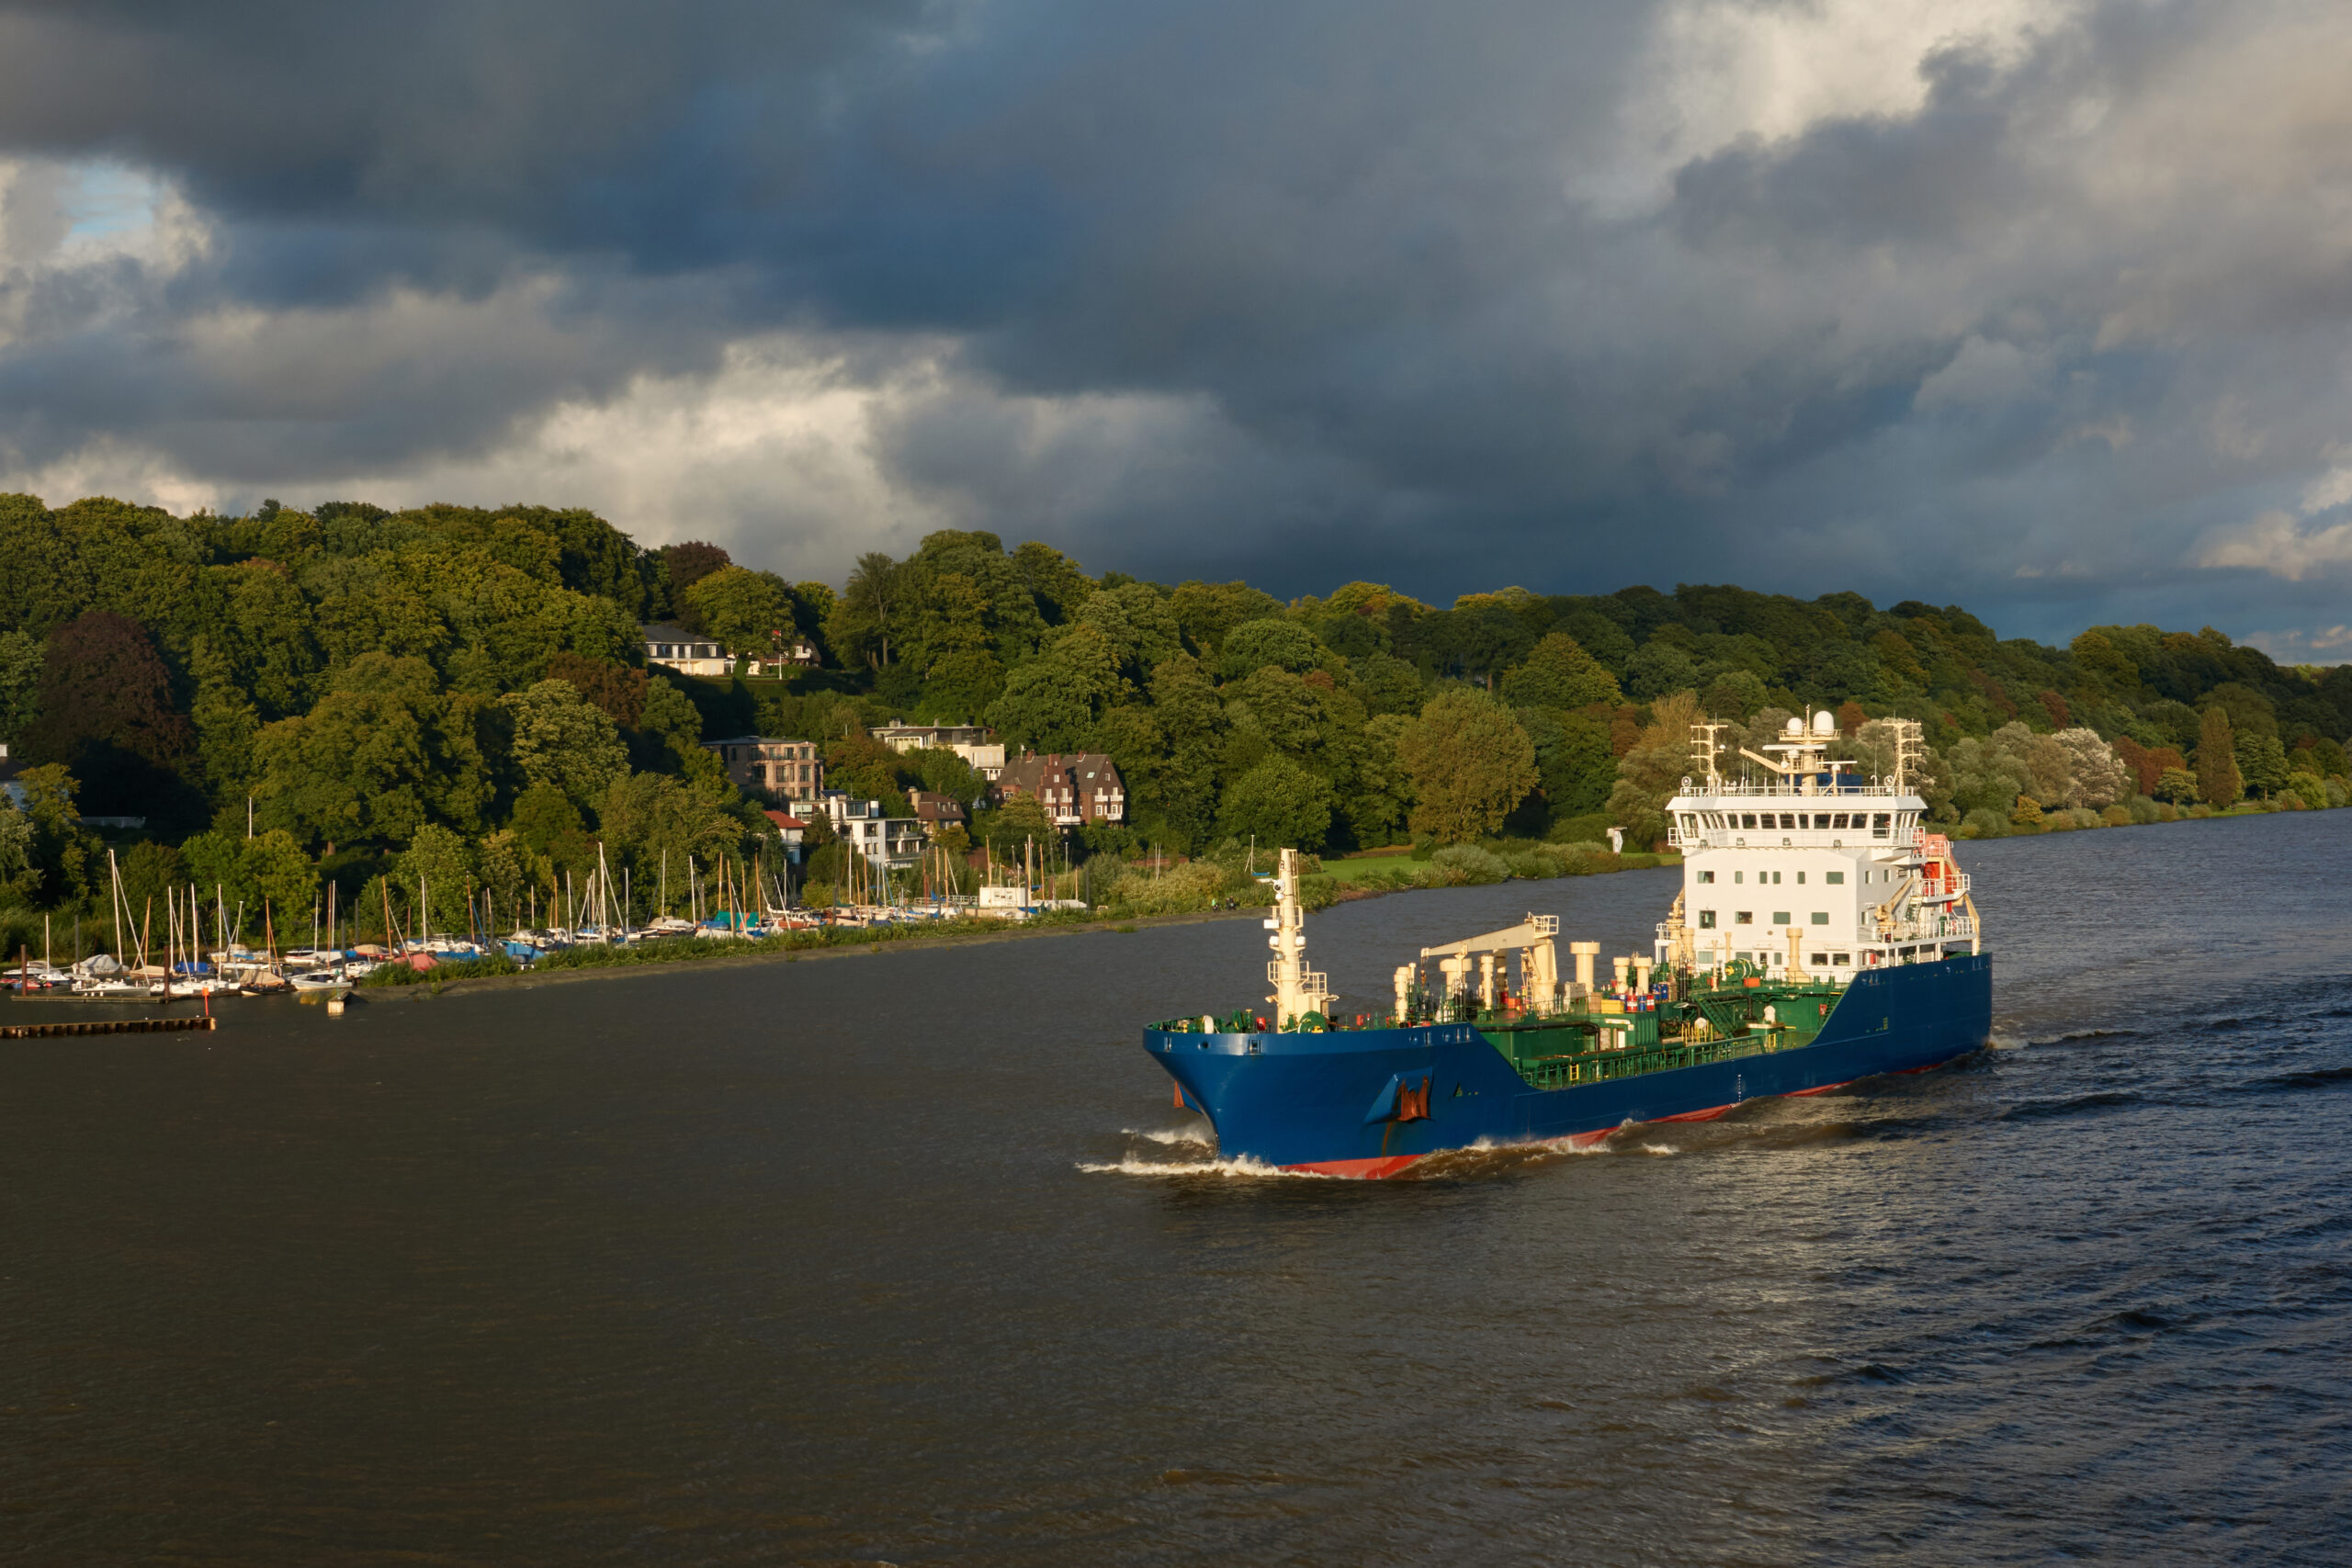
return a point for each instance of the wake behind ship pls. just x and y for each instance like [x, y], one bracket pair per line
[1821, 936]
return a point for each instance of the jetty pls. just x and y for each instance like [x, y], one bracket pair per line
[108, 1026]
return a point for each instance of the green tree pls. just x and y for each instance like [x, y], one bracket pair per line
[549, 828]
[748, 611]
[365, 762]
[655, 823]
[1254, 645]
[1019, 821]
[1470, 764]
[1559, 674]
[227, 723]
[19, 877]
[2262, 763]
[2218, 783]
[1281, 803]
[1574, 757]
[1386, 684]
[2175, 785]
[1649, 773]
[1051, 703]
[863, 621]
[150, 873]
[21, 657]
[282, 875]
[1136, 624]
[445, 863]
[563, 740]
[61, 851]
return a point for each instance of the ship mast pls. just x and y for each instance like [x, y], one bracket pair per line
[1297, 990]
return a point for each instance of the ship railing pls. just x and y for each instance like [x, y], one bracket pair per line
[1802, 789]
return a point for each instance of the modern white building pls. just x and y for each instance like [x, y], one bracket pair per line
[975, 743]
[888, 843]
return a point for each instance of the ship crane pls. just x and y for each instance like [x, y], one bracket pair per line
[1539, 965]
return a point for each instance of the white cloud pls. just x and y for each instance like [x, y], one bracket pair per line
[2277, 543]
[1720, 72]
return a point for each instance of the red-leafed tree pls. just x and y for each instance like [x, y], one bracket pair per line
[104, 685]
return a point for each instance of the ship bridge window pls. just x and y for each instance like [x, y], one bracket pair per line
[1837, 821]
[1881, 823]
[1747, 820]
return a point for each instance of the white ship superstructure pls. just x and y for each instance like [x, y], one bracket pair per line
[1809, 868]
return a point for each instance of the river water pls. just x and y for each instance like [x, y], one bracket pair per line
[905, 1259]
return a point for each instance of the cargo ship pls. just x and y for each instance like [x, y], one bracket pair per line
[1822, 936]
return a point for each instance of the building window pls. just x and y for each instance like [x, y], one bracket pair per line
[1834, 878]
[1743, 918]
[1821, 917]
[1706, 919]
[1706, 876]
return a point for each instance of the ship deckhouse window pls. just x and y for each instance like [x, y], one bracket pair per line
[1706, 919]
[1776, 879]
[1739, 877]
[1821, 959]
[1821, 917]
[1779, 917]
[1743, 918]
[1842, 960]
[1800, 879]
[1834, 878]
[1706, 876]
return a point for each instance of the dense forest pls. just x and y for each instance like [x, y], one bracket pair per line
[349, 693]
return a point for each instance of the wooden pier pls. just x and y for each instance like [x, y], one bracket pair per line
[105, 1026]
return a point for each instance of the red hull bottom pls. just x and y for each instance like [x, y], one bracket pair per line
[1375, 1170]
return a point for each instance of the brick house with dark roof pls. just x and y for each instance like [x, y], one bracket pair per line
[1079, 788]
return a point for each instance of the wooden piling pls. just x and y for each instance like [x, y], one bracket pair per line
[108, 1026]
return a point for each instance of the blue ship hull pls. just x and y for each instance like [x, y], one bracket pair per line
[1330, 1102]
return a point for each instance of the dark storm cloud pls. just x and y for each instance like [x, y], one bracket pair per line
[1349, 276]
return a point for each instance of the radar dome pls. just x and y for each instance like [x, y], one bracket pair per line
[1796, 726]
[1825, 723]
